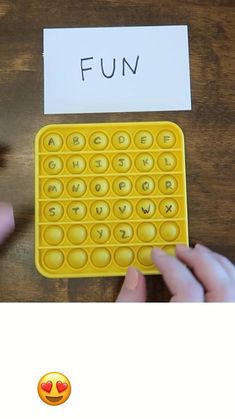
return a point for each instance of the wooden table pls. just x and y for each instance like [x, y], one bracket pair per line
[209, 128]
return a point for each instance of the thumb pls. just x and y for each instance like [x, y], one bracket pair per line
[133, 288]
[7, 223]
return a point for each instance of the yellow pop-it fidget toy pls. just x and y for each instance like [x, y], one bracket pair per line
[105, 194]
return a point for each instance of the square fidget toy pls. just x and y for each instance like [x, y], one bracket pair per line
[105, 194]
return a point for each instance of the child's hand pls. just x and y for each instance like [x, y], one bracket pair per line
[196, 274]
[7, 223]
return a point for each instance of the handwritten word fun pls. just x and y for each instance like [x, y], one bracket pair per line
[104, 72]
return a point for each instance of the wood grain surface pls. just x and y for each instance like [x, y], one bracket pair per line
[209, 128]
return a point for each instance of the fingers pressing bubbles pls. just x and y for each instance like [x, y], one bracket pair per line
[179, 279]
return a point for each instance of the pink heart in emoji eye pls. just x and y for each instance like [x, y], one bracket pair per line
[61, 386]
[47, 386]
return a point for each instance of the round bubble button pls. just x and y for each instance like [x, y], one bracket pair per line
[144, 256]
[53, 211]
[98, 141]
[145, 185]
[146, 208]
[53, 165]
[53, 142]
[76, 187]
[166, 139]
[76, 164]
[77, 234]
[166, 162]
[76, 141]
[100, 233]
[100, 257]
[123, 208]
[144, 162]
[99, 186]
[122, 186]
[53, 259]
[123, 232]
[169, 231]
[167, 184]
[99, 163]
[76, 210]
[53, 235]
[53, 188]
[121, 140]
[168, 207]
[146, 232]
[143, 139]
[121, 163]
[100, 210]
[124, 256]
[77, 258]
[170, 250]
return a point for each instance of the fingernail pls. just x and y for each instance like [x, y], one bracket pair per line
[132, 278]
[183, 247]
[202, 247]
[7, 222]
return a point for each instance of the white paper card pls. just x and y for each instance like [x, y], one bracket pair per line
[124, 69]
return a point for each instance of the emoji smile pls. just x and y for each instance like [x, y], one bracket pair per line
[54, 399]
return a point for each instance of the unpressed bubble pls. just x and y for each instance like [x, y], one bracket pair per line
[170, 250]
[76, 187]
[100, 210]
[146, 208]
[53, 235]
[143, 139]
[53, 188]
[124, 256]
[121, 163]
[166, 139]
[100, 233]
[168, 207]
[99, 163]
[76, 211]
[144, 256]
[54, 259]
[53, 211]
[166, 162]
[122, 186]
[167, 184]
[101, 257]
[123, 232]
[99, 186]
[146, 232]
[77, 258]
[169, 231]
[76, 164]
[53, 165]
[76, 141]
[144, 162]
[145, 185]
[77, 234]
[98, 141]
[121, 140]
[53, 142]
[123, 208]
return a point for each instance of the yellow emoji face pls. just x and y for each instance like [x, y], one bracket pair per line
[54, 388]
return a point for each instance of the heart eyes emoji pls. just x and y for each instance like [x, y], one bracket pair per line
[54, 388]
[59, 385]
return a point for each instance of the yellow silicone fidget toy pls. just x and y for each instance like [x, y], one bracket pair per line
[106, 194]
